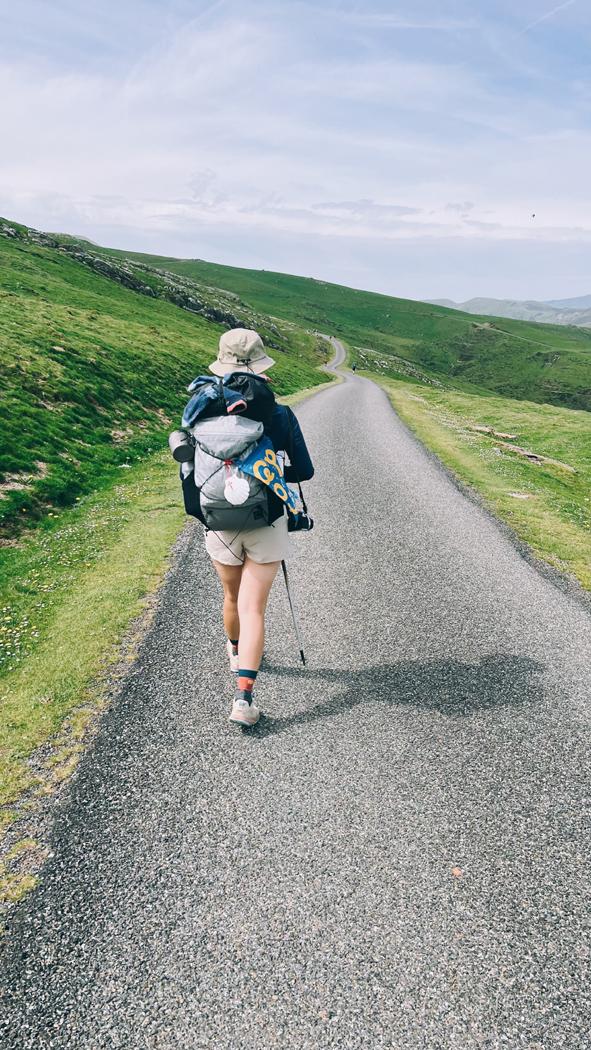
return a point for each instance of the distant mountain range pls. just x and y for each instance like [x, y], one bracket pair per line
[554, 311]
[581, 302]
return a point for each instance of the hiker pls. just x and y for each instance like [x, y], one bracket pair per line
[354, 367]
[253, 537]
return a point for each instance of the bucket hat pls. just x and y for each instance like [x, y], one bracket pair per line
[241, 350]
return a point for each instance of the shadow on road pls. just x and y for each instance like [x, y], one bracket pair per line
[449, 687]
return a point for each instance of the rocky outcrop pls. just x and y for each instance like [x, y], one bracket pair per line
[214, 304]
[146, 280]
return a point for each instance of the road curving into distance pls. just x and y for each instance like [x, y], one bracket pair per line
[397, 856]
[339, 354]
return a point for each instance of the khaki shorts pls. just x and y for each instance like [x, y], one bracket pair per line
[270, 543]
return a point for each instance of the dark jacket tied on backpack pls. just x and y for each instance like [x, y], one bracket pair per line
[243, 393]
[239, 392]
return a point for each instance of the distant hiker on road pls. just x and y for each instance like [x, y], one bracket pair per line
[231, 452]
[354, 367]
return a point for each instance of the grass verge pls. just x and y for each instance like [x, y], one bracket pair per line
[68, 595]
[546, 504]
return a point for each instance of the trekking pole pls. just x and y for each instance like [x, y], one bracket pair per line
[293, 615]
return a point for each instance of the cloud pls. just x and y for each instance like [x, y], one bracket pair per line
[364, 209]
[462, 207]
[251, 126]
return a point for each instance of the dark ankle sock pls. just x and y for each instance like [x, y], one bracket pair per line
[245, 683]
[234, 644]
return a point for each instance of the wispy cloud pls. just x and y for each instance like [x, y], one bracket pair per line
[391, 20]
[546, 16]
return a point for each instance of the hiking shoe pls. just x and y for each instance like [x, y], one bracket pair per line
[244, 713]
[233, 658]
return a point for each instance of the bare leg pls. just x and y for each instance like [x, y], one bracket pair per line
[255, 586]
[230, 575]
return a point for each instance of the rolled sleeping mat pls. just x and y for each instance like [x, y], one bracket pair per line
[181, 446]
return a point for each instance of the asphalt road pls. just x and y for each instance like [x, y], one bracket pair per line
[397, 856]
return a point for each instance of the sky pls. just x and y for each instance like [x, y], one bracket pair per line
[425, 148]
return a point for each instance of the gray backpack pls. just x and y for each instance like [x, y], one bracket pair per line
[229, 498]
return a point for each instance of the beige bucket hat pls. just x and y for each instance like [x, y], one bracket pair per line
[241, 350]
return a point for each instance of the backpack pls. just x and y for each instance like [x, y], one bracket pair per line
[229, 498]
[226, 420]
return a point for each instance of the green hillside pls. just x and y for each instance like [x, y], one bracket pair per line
[95, 358]
[539, 362]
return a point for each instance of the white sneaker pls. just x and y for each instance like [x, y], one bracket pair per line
[233, 658]
[244, 713]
